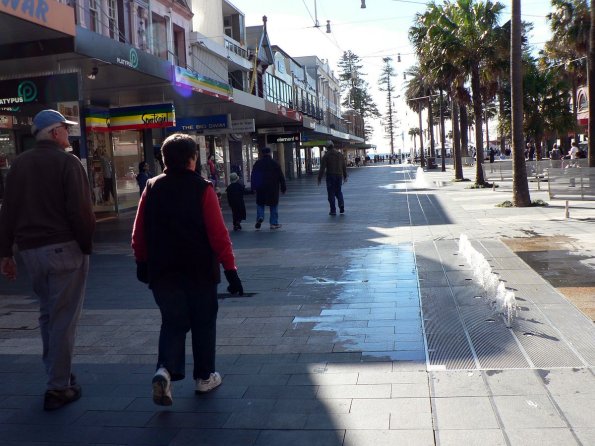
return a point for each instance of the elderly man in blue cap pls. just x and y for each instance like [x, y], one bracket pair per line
[48, 214]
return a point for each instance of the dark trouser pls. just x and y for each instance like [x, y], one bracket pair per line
[185, 306]
[333, 189]
[236, 217]
[108, 188]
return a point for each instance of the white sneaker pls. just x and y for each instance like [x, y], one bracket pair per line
[162, 388]
[206, 385]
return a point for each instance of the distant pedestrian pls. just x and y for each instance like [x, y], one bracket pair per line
[555, 156]
[267, 179]
[235, 198]
[213, 176]
[492, 155]
[179, 239]
[108, 177]
[333, 164]
[48, 213]
[143, 176]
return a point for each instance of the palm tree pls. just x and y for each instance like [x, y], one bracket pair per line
[520, 186]
[570, 24]
[416, 94]
[462, 32]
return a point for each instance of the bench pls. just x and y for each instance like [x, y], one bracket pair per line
[536, 170]
[571, 184]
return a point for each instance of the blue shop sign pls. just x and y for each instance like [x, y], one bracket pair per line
[203, 123]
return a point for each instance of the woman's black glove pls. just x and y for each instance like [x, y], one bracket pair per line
[142, 272]
[235, 284]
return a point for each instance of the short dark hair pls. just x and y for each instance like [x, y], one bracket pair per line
[177, 150]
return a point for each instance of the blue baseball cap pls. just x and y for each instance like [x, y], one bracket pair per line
[47, 118]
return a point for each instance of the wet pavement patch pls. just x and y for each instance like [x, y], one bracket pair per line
[555, 259]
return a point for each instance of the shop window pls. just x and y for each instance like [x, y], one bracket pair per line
[159, 36]
[94, 16]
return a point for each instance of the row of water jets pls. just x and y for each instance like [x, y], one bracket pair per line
[502, 299]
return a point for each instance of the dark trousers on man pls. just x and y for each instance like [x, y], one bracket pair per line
[333, 189]
[186, 305]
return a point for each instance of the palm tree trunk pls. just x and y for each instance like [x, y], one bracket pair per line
[431, 127]
[422, 160]
[591, 80]
[456, 142]
[464, 130]
[501, 127]
[478, 111]
[442, 133]
[520, 186]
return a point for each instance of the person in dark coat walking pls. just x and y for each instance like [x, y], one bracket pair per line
[267, 179]
[235, 198]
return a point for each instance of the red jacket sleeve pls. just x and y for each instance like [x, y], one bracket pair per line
[139, 242]
[216, 230]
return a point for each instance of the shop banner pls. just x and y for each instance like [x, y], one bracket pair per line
[39, 90]
[202, 84]
[97, 120]
[142, 117]
[48, 13]
[205, 124]
[279, 139]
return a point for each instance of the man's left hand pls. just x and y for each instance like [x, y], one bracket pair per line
[8, 267]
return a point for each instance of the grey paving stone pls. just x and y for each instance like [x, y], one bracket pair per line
[274, 420]
[358, 420]
[355, 391]
[514, 382]
[457, 383]
[579, 409]
[300, 438]
[464, 413]
[526, 412]
[569, 381]
[586, 436]
[321, 379]
[479, 437]
[327, 406]
[215, 437]
[541, 437]
[396, 377]
[389, 438]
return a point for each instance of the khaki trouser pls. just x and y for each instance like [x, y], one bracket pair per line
[59, 274]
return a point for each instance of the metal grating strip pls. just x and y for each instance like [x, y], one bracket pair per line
[450, 350]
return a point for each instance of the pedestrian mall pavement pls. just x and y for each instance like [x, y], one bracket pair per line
[362, 329]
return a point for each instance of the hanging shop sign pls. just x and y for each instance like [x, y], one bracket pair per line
[47, 13]
[205, 124]
[105, 49]
[142, 117]
[39, 90]
[97, 120]
[243, 125]
[201, 84]
[279, 139]
[129, 118]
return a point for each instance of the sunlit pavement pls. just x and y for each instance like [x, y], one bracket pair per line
[358, 329]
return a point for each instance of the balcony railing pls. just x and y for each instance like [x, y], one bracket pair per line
[235, 48]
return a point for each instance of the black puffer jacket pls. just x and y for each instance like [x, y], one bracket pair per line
[267, 179]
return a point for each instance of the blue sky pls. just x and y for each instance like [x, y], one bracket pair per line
[378, 31]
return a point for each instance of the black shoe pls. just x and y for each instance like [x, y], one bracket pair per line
[258, 223]
[332, 213]
[237, 228]
[342, 210]
[55, 399]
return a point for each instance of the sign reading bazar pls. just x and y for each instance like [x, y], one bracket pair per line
[47, 13]
[142, 117]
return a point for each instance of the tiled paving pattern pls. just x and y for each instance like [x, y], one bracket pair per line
[329, 349]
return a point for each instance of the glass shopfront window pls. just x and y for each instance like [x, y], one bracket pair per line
[127, 147]
[7, 154]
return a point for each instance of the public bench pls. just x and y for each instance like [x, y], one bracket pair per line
[571, 184]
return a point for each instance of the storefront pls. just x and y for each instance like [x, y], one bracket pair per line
[117, 146]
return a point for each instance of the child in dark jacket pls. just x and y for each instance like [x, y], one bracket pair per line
[235, 198]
